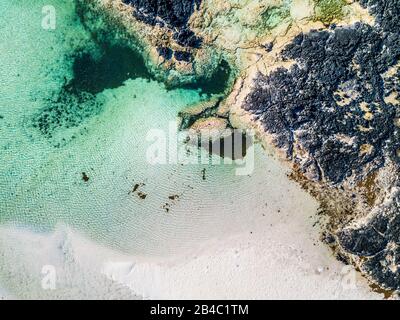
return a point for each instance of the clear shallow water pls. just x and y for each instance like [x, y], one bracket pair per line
[42, 184]
[81, 172]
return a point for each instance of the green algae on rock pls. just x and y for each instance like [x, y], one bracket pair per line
[328, 11]
[272, 17]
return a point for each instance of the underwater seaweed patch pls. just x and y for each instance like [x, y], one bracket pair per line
[77, 100]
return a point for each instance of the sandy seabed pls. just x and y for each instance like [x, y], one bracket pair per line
[276, 255]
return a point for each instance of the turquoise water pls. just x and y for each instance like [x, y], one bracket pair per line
[73, 158]
[42, 164]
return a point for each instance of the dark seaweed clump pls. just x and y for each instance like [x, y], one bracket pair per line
[77, 100]
[67, 110]
[303, 100]
[115, 65]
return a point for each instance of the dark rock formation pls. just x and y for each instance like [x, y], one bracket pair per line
[165, 52]
[302, 104]
[187, 38]
[183, 56]
[377, 244]
[173, 14]
[331, 104]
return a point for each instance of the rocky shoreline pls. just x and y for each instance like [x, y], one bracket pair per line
[318, 80]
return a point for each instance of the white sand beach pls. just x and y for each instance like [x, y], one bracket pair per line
[270, 251]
